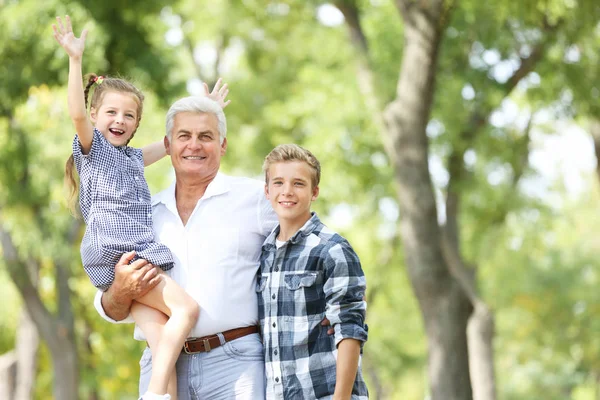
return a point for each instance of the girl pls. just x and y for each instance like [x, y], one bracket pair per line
[115, 204]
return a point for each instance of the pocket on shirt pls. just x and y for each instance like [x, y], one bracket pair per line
[305, 294]
[295, 281]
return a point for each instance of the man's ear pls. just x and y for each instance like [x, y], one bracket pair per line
[167, 143]
[224, 147]
[267, 191]
[315, 193]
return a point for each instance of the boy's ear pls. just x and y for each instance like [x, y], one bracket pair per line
[93, 115]
[315, 193]
[267, 191]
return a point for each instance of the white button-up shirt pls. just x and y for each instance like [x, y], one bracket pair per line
[217, 252]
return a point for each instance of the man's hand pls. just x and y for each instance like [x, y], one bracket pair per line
[330, 330]
[132, 281]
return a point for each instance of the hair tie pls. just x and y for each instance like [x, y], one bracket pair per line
[98, 80]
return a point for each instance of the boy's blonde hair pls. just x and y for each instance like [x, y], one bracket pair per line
[293, 152]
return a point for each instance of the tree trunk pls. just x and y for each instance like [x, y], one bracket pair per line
[595, 133]
[57, 331]
[480, 333]
[27, 345]
[444, 306]
[8, 375]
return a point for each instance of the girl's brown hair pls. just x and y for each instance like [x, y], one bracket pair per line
[101, 86]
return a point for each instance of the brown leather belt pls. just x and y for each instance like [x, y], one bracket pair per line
[207, 343]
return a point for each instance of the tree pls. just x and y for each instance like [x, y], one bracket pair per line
[32, 235]
[445, 287]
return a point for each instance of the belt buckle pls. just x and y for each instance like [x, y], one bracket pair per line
[186, 348]
[206, 344]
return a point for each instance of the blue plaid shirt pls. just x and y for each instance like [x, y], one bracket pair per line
[115, 204]
[315, 274]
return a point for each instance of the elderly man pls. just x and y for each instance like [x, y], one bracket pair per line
[214, 225]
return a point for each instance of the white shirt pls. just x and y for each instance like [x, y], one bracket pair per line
[217, 252]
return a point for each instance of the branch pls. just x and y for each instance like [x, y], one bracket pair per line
[463, 275]
[190, 47]
[17, 270]
[365, 75]
[352, 17]
[477, 121]
[595, 132]
[527, 64]
[384, 259]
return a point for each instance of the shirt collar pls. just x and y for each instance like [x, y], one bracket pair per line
[219, 185]
[309, 227]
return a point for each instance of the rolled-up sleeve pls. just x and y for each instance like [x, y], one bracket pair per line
[100, 309]
[344, 288]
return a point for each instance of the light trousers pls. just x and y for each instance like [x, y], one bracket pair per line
[234, 370]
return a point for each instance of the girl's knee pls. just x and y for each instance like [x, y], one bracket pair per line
[188, 310]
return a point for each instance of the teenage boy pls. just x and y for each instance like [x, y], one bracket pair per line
[308, 272]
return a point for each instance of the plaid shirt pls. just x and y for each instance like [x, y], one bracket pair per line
[315, 274]
[115, 204]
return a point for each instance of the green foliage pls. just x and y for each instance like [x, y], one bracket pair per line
[293, 79]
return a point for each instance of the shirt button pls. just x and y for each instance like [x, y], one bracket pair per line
[276, 379]
[275, 352]
[276, 269]
[273, 297]
[274, 324]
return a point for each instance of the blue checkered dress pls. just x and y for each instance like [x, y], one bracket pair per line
[115, 204]
[315, 274]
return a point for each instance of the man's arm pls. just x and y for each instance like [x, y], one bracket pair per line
[131, 282]
[346, 368]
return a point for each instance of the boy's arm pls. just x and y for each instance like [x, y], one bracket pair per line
[344, 288]
[75, 99]
[154, 152]
[346, 368]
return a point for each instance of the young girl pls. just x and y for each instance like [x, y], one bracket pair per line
[115, 204]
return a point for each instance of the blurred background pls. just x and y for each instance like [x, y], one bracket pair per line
[458, 140]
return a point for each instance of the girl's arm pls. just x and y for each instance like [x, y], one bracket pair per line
[74, 47]
[154, 152]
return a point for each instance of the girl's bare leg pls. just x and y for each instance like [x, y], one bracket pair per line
[152, 322]
[182, 310]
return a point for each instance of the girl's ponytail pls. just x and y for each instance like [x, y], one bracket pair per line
[72, 187]
[91, 79]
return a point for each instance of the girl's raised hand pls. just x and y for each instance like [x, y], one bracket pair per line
[218, 93]
[64, 36]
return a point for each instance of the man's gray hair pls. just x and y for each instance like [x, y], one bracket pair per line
[197, 104]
